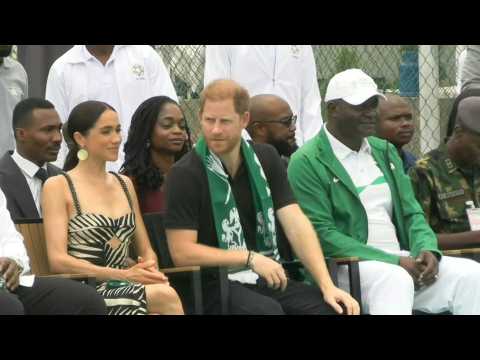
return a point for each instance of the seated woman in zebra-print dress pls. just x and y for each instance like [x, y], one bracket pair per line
[91, 216]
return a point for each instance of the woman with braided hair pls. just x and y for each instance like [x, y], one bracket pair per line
[158, 137]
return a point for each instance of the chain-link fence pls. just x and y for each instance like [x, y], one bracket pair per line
[425, 74]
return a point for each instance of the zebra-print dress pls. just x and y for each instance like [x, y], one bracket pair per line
[104, 241]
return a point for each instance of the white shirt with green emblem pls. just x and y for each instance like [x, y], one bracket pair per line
[132, 74]
[373, 191]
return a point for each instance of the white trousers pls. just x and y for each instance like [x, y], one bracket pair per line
[389, 290]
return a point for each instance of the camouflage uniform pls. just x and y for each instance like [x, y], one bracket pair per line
[442, 188]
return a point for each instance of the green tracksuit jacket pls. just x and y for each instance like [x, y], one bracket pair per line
[328, 197]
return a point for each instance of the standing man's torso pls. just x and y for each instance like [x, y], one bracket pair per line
[123, 82]
[13, 89]
[269, 69]
[470, 72]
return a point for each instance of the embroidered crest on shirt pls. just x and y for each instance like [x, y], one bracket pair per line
[139, 71]
[15, 91]
[295, 50]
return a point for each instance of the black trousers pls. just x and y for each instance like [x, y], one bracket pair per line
[52, 296]
[245, 299]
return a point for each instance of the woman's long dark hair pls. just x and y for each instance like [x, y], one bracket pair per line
[138, 163]
[83, 117]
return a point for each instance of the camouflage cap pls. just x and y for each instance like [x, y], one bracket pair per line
[468, 114]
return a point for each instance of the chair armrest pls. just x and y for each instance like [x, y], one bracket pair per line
[221, 274]
[339, 261]
[70, 276]
[180, 269]
[353, 275]
[346, 260]
[292, 265]
[90, 279]
[460, 252]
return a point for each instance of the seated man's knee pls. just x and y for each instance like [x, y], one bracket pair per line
[397, 279]
[402, 279]
[91, 302]
[78, 298]
[469, 271]
[392, 293]
[10, 304]
[262, 305]
[272, 307]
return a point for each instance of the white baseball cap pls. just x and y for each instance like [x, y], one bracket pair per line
[353, 86]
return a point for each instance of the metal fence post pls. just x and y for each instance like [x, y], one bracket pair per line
[428, 100]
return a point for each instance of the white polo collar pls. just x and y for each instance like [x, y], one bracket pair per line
[342, 151]
[80, 54]
[7, 63]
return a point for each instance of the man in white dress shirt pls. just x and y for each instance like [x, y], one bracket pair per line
[288, 71]
[45, 296]
[123, 76]
[36, 126]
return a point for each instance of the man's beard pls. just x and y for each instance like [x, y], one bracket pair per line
[283, 147]
[5, 50]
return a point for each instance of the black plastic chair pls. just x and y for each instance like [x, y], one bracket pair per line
[188, 284]
[156, 230]
[293, 267]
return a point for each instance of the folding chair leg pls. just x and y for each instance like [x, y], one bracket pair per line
[333, 269]
[223, 279]
[197, 292]
[354, 279]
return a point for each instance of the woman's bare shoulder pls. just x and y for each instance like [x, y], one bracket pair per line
[56, 182]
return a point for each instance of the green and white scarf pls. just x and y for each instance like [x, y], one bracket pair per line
[227, 220]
